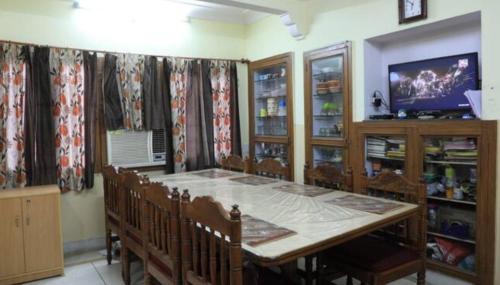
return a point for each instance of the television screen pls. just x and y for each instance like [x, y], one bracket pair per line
[435, 84]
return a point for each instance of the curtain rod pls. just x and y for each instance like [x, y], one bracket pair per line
[243, 60]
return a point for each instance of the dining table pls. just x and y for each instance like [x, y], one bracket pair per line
[282, 220]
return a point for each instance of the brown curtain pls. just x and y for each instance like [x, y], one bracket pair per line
[166, 70]
[29, 125]
[208, 114]
[41, 158]
[235, 111]
[90, 98]
[154, 95]
[194, 135]
[113, 114]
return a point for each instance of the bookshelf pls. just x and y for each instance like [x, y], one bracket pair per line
[456, 159]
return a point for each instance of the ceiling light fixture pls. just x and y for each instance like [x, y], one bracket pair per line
[144, 10]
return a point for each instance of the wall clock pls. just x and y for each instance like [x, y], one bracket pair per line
[412, 10]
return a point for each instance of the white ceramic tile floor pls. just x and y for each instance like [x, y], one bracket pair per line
[98, 272]
[94, 273]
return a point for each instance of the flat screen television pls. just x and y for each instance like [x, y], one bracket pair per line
[435, 84]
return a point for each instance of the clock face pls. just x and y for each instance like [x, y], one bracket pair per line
[412, 8]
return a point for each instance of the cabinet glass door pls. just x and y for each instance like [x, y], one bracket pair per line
[385, 153]
[271, 150]
[331, 156]
[328, 97]
[270, 101]
[451, 174]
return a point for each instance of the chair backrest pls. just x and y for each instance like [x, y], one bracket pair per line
[112, 182]
[272, 168]
[393, 186]
[235, 163]
[211, 242]
[133, 195]
[162, 233]
[328, 176]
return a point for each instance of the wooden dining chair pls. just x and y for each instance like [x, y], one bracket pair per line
[134, 187]
[161, 230]
[112, 181]
[328, 176]
[392, 253]
[272, 168]
[235, 163]
[211, 242]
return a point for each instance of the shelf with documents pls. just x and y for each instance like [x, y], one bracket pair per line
[456, 159]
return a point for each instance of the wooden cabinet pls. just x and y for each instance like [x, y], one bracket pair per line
[271, 109]
[328, 106]
[457, 162]
[30, 234]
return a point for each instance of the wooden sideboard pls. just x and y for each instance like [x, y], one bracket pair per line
[30, 234]
[408, 146]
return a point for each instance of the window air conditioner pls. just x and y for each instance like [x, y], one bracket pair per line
[136, 148]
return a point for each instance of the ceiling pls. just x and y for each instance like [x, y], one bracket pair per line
[231, 11]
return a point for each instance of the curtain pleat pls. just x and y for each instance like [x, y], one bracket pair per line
[154, 114]
[221, 89]
[194, 134]
[234, 111]
[149, 91]
[12, 96]
[29, 120]
[164, 81]
[208, 115]
[130, 68]
[113, 115]
[179, 79]
[90, 99]
[43, 159]
[67, 86]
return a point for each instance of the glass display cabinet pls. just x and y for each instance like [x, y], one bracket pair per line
[451, 174]
[271, 113]
[456, 160]
[327, 105]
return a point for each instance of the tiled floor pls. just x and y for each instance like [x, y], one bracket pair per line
[80, 270]
[93, 273]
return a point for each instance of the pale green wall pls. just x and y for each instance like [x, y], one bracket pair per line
[83, 215]
[269, 37]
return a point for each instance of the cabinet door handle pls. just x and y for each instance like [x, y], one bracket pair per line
[28, 205]
[17, 222]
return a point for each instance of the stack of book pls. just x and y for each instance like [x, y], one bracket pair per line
[376, 146]
[460, 149]
[396, 148]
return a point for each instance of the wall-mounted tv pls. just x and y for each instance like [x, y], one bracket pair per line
[435, 84]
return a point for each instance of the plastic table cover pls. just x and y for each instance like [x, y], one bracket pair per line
[313, 220]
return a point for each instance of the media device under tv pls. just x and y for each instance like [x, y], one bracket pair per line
[435, 84]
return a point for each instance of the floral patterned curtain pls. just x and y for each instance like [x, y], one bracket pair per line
[130, 69]
[221, 90]
[12, 96]
[179, 86]
[67, 79]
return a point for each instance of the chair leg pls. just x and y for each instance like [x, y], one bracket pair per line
[309, 270]
[349, 280]
[421, 277]
[125, 266]
[319, 270]
[147, 276]
[109, 246]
